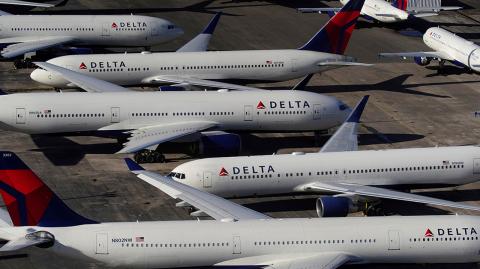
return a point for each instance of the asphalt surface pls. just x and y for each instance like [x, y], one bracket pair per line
[410, 106]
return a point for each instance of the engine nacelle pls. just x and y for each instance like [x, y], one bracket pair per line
[77, 51]
[423, 61]
[218, 143]
[474, 60]
[330, 206]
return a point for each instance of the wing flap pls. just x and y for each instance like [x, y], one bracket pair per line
[324, 260]
[29, 46]
[350, 188]
[212, 205]
[153, 135]
[84, 82]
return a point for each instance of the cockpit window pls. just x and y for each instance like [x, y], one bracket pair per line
[176, 175]
[171, 26]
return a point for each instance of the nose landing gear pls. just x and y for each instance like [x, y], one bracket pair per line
[149, 156]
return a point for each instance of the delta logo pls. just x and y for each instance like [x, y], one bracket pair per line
[114, 26]
[223, 172]
[260, 105]
[428, 233]
[83, 66]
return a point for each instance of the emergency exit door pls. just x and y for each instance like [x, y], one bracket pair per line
[115, 114]
[207, 179]
[237, 245]
[476, 166]
[102, 243]
[393, 240]
[106, 28]
[21, 117]
[318, 112]
[248, 113]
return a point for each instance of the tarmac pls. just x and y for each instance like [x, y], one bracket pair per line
[410, 106]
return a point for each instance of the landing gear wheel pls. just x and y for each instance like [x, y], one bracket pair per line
[374, 211]
[149, 156]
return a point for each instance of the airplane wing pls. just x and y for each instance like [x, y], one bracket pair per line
[25, 3]
[432, 10]
[324, 260]
[201, 41]
[146, 137]
[20, 48]
[201, 82]
[342, 63]
[426, 54]
[345, 138]
[212, 205]
[318, 10]
[84, 82]
[350, 188]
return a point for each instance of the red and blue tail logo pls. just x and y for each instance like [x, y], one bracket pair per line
[334, 36]
[400, 4]
[29, 201]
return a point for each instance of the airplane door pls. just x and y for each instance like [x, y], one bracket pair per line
[102, 243]
[115, 114]
[317, 112]
[476, 166]
[248, 113]
[237, 245]
[294, 65]
[106, 29]
[155, 31]
[393, 240]
[207, 179]
[21, 117]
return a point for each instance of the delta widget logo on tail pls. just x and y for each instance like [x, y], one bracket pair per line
[260, 105]
[223, 172]
[83, 66]
[428, 233]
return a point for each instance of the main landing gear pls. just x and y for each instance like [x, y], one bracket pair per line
[149, 156]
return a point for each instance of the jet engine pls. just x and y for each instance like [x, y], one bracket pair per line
[423, 61]
[218, 143]
[336, 206]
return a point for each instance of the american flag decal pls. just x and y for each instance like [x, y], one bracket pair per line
[140, 239]
[269, 62]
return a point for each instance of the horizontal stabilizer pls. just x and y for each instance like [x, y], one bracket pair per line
[87, 83]
[29, 240]
[319, 10]
[210, 204]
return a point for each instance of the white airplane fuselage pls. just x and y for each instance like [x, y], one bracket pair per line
[39, 113]
[102, 30]
[376, 8]
[464, 52]
[396, 239]
[287, 173]
[143, 68]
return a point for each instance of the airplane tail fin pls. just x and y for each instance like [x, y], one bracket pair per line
[29, 201]
[202, 40]
[334, 36]
[400, 4]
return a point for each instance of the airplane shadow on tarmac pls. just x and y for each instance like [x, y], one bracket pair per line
[395, 84]
[62, 151]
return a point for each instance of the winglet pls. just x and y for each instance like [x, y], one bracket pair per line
[212, 24]
[345, 138]
[358, 110]
[201, 41]
[301, 85]
[132, 165]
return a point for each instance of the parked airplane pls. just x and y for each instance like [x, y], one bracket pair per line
[29, 33]
[323, 51]
[446, 47]
[238, 237]
[358, 176]
[386, 12]
[146, 119]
